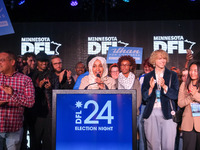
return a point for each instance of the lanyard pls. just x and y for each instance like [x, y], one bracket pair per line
[158, 91]
[158, 78]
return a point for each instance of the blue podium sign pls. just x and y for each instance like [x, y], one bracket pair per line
[94, 119]
[115, 52]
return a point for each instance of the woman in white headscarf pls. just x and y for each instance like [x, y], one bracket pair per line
[98, 76]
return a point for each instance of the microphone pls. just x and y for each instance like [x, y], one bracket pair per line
[89, 85]
[96, 83]
[98, 75]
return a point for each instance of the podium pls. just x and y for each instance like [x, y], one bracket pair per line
[94, 120]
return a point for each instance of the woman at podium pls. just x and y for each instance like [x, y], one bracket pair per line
[98, 76]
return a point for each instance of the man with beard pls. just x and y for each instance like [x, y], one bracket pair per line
[65, 76]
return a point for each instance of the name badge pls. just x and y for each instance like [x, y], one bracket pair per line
[158, 95]
[195, 107]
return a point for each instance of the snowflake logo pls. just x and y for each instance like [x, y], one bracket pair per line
[78, 104]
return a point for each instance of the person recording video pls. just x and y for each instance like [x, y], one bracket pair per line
[98, 76]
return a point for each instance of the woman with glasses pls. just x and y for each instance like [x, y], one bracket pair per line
[114, 72]
[127, 79]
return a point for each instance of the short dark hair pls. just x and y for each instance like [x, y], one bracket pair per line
[27, 55]
[80, 62]
[11, 56]
[42, 56]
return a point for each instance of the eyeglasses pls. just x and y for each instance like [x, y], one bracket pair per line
[57, 63]
[114, 72]
[124, 65]
[80, 67]
[3, 60]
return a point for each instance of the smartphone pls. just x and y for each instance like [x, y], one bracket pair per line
[189, 51]
[189, 54]
[45, 82]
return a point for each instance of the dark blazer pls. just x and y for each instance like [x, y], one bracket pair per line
[172, 93]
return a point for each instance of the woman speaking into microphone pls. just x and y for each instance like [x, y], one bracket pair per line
[98, 76]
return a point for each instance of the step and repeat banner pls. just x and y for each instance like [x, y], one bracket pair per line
[75, 41]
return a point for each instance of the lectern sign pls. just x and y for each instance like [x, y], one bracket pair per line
[94, 121]
[88, 120]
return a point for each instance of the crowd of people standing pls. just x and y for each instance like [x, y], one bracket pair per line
[26, 97]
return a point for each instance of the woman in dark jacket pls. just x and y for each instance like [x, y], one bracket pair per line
[160, 130]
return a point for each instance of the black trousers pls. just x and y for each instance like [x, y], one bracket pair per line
[43, 133]
[191, 140]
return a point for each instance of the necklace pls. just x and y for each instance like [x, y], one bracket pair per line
[194, 85]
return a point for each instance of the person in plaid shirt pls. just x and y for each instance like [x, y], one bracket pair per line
[16, 92]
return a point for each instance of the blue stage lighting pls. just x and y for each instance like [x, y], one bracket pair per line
[74, 3]
[126, 1]
[21, 2]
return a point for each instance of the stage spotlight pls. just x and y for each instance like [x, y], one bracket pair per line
[21, 2]
[126, 1]
[74, 3]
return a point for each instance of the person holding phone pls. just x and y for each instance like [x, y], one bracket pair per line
[189, 56]
[98, 76]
